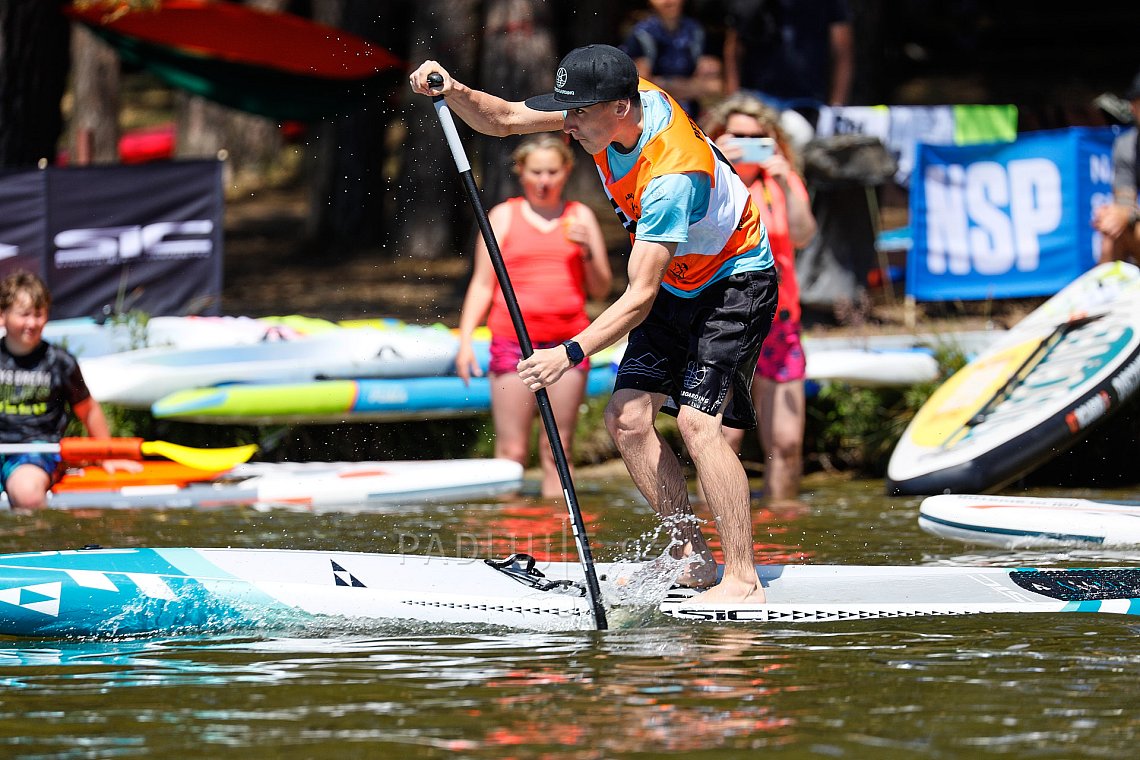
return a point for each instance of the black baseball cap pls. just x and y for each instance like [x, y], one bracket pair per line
[589, 75]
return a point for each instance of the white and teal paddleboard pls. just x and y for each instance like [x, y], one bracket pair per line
[1050, 381]
[1018, 522]
[182, 591]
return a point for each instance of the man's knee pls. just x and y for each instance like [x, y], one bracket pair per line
[698, 429]
[628, 415]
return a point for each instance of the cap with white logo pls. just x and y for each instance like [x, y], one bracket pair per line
[589, 75]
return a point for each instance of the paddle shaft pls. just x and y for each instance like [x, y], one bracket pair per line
[81, 449]
[546, 411]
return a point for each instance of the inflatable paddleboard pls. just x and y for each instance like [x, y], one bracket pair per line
[345, 400]
[1043, 387]
[1017, 522]
[185, 591]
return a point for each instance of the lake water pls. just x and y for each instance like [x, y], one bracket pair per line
[1058, 686]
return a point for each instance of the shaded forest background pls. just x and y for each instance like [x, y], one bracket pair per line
[378, 178]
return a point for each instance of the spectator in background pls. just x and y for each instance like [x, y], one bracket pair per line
[1119, 222]
[785, 209]
[40, 384]
[672, 51]
[556, 258]
[793, 53]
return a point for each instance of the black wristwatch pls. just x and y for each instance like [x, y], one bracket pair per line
[574, 352]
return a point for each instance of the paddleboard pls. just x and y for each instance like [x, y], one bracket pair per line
[834, 593]
[184, 591]
[871, 368]
[311, 485]
[1043, 387]
[1017, 522]
[344, 400]
[87, 339]
[969, 342]
[139, 378]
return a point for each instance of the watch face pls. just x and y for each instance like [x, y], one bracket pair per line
[574, 352]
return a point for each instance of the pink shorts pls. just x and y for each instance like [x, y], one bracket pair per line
[782, 354]
[506, 353]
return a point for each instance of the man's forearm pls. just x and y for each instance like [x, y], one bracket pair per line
[647, 264]
[495, 116]
[624, 314]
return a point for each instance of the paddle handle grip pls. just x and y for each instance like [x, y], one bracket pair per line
[435, 81]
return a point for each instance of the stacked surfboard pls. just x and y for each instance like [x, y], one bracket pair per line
[1053, 378]
[306, 485]
[139, 378]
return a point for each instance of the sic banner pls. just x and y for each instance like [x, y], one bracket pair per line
[109, 239]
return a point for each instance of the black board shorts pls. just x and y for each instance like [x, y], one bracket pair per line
[694, 350]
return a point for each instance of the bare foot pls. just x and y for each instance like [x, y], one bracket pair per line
[701, 572]
[732, 590]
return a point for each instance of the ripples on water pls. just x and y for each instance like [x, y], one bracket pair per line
[1009, 685]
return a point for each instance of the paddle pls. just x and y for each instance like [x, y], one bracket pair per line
[593, 590]
[94, 449]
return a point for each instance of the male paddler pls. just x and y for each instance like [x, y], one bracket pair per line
[701, 295]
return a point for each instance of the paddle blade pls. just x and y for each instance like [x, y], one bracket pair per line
[202, 459]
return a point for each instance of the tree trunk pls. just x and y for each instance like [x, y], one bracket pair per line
[348, 188]
[94, 132]
[432, 211]
[250, 143]
[518, 61]
[34, 58]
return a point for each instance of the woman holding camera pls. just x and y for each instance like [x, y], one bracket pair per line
[748, 132]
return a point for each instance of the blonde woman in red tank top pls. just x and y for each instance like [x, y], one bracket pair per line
[556, 258]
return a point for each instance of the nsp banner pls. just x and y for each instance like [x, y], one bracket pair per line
[113, 238]
[1007, 220]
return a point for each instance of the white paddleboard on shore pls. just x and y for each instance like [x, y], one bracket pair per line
[317, 486]
[1017, 522]
[185, 591]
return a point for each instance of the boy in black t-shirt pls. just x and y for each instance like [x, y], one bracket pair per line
[39, 382]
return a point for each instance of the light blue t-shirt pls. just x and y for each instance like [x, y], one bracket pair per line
[670, 203]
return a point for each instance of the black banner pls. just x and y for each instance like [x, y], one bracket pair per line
[108, 239]
[23, 221]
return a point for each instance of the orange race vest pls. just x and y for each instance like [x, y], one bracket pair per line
[730, 238]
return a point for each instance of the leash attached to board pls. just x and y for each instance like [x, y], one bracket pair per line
[546, 411]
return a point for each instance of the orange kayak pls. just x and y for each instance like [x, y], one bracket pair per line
[154, 473]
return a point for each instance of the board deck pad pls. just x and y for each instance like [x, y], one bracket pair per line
[185, 591]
